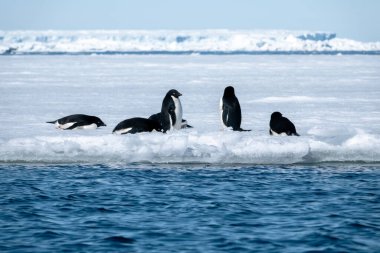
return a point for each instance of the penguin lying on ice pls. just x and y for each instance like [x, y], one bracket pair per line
[280, 125]
[158, 117]
[137, 125]
[78, 121]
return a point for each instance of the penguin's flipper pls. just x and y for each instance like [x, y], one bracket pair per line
[172, 115]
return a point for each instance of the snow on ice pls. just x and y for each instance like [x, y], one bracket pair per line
[333, 100]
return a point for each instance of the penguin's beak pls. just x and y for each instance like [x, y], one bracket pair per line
[179, 94]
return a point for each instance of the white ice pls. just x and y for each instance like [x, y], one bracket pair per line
[94, 41]
[334, 101]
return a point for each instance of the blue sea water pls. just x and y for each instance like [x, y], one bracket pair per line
[189, 208]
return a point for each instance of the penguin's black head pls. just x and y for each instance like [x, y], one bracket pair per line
[229, 91]
[276, 115]
[99, 122]
[174, 93]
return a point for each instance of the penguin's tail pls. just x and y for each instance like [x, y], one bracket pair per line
[296, 134]
[51, 122]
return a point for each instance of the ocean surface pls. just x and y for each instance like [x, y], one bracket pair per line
[202, 189]
[185, 208]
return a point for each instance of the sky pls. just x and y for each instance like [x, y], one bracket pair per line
[353, 19]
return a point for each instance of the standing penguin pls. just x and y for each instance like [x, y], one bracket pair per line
[230, 111]
[171, 111]
[280, 125]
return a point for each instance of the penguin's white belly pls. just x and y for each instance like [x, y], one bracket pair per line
[91, 126]
[221, 111]
[221, 114]
[123, 131]
[178, 113]
[70, 124]
[64, 126]
[276, 134]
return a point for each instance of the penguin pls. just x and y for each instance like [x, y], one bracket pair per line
[280, 125]
[184, 124]
[78, 121]
[137, 125]
[230, 111]
[158, 117]
[171, 111]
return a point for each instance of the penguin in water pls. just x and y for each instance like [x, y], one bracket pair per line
[230, 111]
[78, 121]
[137, 125]
[171, 111]
[158, 117]
[280, 125]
